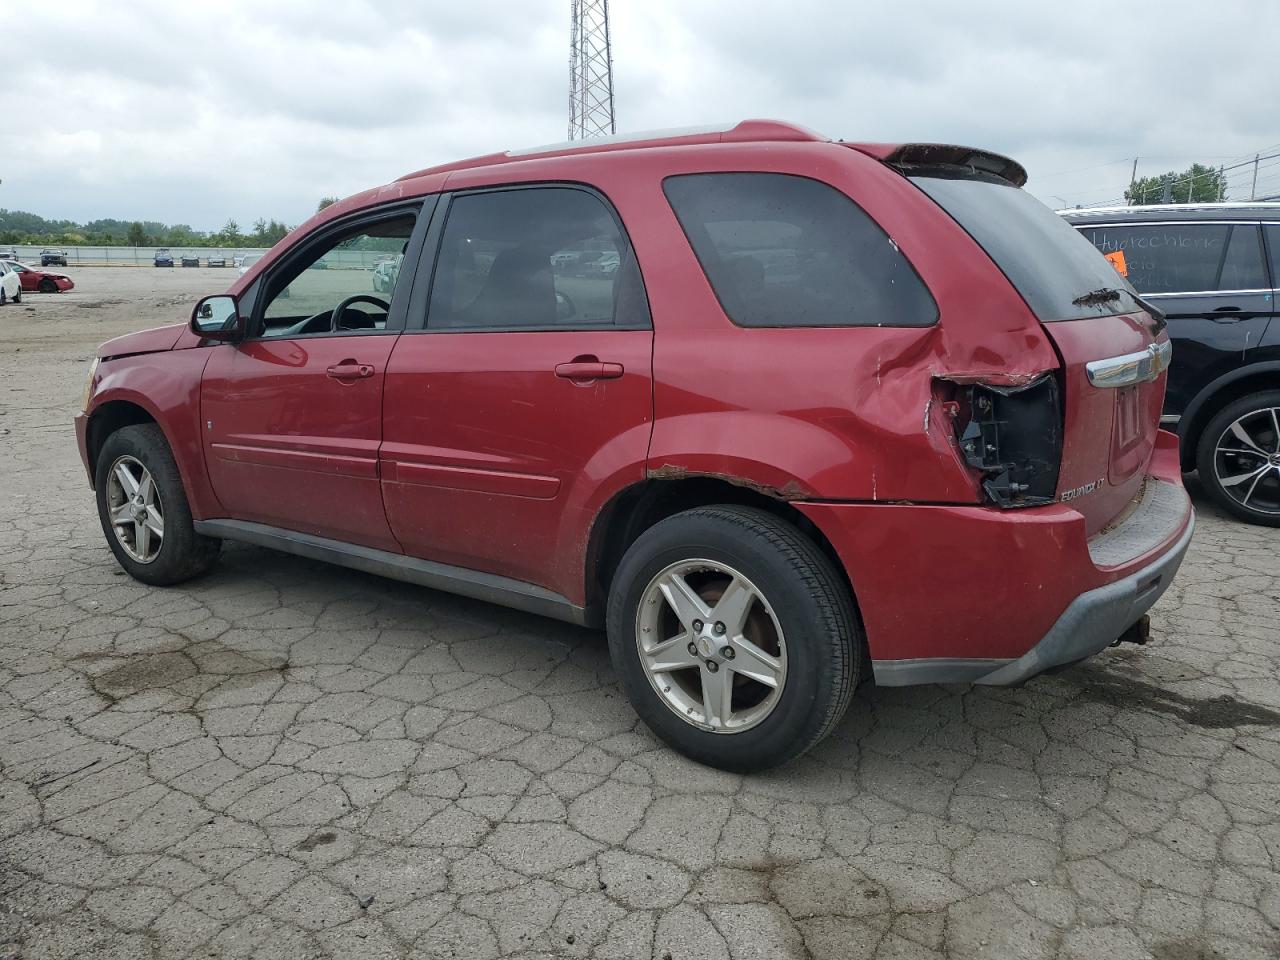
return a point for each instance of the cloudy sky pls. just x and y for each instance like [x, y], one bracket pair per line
[184, 112]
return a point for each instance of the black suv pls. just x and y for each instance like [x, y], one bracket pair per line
[1213, 269]
[53, 258]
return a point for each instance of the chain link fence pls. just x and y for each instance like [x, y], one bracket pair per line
[86, 256]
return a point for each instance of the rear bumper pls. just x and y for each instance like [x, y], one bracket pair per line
[1090, 624]
[980, 595]
[1095, 619]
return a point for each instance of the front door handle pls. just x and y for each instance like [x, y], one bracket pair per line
[585, 369]
[349, 370]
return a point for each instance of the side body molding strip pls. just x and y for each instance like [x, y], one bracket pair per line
[426, 573]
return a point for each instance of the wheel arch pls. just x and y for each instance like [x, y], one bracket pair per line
[106, 418]
[637, 507]
[1215, 395]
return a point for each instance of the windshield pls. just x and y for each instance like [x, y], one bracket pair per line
[1059, 273]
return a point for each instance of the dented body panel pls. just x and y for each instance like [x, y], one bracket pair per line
[823, 412]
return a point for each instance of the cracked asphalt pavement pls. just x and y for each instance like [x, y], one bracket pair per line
[285, 759]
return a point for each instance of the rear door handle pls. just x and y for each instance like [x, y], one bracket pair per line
[583, 369]
[349, 370]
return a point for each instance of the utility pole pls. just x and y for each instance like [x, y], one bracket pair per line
[1133, 181]
[590, 70]
[1253, 190]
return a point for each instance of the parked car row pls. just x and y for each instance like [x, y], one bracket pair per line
[848, 376]
[163, 258]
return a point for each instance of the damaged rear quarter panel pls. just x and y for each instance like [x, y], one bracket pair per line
[838, 413]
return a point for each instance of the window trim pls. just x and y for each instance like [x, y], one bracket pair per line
[1206, 293]
[1259, 225]
[937, 310]
[421, 207]
[418, 319]
[1270, 257]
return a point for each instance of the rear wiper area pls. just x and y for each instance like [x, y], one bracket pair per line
[1105, 295]
[1097, 297]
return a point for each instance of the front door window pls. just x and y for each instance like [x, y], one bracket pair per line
[341, 286]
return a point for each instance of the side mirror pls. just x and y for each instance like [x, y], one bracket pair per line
[217, 318]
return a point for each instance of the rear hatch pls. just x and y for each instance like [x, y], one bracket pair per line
[1112, 347]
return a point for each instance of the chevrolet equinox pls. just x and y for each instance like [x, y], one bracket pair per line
[829, 411]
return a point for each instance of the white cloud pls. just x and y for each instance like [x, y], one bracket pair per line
[195, 113]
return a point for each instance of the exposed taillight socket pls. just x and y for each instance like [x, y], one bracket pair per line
[1012, 435]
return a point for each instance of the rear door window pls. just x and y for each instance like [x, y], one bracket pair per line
[540, 258]
[787, 251]
[1045, 259]
[1185, 257]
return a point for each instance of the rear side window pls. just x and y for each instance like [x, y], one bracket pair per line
[1045, 259]
[541, 258]
[1185, 257]
[786, 251]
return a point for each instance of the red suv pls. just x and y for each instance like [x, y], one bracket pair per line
[838, 409]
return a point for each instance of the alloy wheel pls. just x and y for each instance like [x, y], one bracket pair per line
[711, 646]
[1246, 460]
[134, 506]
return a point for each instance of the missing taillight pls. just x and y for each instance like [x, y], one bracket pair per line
[1013, 437]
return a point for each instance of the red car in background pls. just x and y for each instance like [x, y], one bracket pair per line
[34, 280]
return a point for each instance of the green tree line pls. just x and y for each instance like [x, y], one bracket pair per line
[19, 226]
[1197, 184]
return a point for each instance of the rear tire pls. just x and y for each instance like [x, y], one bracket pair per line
[795, 608]
[4, 297]
[1238, 458]
[134, 454]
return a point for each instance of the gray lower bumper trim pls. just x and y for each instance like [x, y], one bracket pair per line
[1089, 624]
[906, 673]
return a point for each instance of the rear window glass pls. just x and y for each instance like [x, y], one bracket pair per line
[1185, 257]
[787, 251]
[1045, 259]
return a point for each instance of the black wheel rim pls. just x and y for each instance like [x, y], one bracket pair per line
[1246, 460]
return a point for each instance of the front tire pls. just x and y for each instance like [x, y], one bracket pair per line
[1238, 457]
[48, 286]
[734, 636]
[144, 512]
